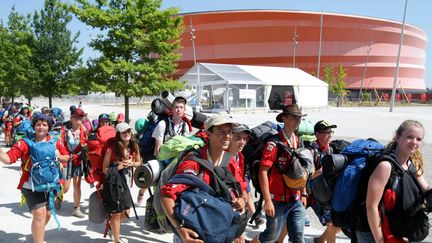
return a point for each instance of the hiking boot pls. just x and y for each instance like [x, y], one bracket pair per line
[77, 213]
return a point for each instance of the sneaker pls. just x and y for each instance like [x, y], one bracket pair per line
[307, 222]
[77, 213]
[140, 198]
[122, 240]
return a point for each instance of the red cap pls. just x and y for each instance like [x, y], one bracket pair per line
[120, 118]
[78, 112]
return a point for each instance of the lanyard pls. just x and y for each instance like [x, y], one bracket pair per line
[294, 141]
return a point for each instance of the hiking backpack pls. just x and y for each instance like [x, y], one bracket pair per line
[24, 126]
[45, 171]
[146, 142]
[97, 145]
[166, 175]
[252, 151]
[351, 185]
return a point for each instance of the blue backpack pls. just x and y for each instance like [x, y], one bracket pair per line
[45, 172]
[361, 155]
[195, 207]
[24, 126]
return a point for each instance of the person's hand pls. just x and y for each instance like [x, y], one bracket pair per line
[188, 235]
[304, 201]
[269, 209]
[239, 204]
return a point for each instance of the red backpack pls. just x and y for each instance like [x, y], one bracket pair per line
[97, 145]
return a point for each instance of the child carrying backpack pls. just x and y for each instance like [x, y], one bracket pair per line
[40, 178]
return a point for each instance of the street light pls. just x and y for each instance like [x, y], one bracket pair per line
[398, 58]
[294, 44]
[365, 67]
[193, 37]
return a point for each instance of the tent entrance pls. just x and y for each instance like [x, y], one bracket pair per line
[281, 96]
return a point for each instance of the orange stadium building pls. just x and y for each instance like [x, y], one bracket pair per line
[366, 46]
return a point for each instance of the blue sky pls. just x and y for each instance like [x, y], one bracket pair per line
[418, 13]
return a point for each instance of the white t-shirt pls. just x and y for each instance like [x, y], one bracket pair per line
[159, 131]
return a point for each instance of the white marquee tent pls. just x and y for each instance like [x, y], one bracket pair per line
[227, 87]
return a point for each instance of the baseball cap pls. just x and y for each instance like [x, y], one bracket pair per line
[78, 112]
[122, 127]
[103, 116]
[242, 128]
[217, 120]
[323, 125]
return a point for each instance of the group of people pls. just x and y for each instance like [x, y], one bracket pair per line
[284, 207]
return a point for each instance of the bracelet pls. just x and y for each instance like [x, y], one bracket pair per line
[304, 195]
[178, 227]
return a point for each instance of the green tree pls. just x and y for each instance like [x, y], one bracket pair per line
[55, 53]
[138, 44]
[336, 81]
[22, 70]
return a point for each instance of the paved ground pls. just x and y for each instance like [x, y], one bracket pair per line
[15, 221]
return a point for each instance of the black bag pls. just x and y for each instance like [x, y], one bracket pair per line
[407, 218]
[115, 194]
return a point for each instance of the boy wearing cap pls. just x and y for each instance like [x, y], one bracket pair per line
[219, 131]
[175, 124]
[323, 132]
[74, 136]
[282, 204]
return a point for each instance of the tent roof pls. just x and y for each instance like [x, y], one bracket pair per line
[213, 73]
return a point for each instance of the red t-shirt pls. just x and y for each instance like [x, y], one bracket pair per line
[190, 167]
[21, 150]
[238, 168]
[278, 190]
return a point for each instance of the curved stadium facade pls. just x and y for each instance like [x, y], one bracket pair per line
[366, 46]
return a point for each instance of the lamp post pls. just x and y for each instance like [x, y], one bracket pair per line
[294, 44]
[193, 37]
[365, 67]
[398, 58]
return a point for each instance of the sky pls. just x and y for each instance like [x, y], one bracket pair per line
[418, 14]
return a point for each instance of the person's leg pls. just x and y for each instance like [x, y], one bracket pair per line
[364, 237]
[140, 197]
[332, 231]
[283, 234]
[274, 224]
[115, 226]
[77, 191]
[38, 224]
[295, 222]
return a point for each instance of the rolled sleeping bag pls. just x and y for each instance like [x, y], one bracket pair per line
[198, 119]
[305, 128]
[263, 128]
[167, 98]
[333, 164]
[159, 108]
[148, 174]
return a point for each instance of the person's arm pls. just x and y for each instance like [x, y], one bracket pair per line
[423, 183]
[158, 144]
[158, 135]
[376, 185]
[107, 160]
[187, 235]
[264, 184]
[4, 157]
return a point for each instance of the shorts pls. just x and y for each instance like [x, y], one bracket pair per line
[35, 200]
[72, 171]
[323, 213]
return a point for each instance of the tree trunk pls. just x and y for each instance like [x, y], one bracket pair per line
[50, 101]
[126, 100]
[29, 101]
